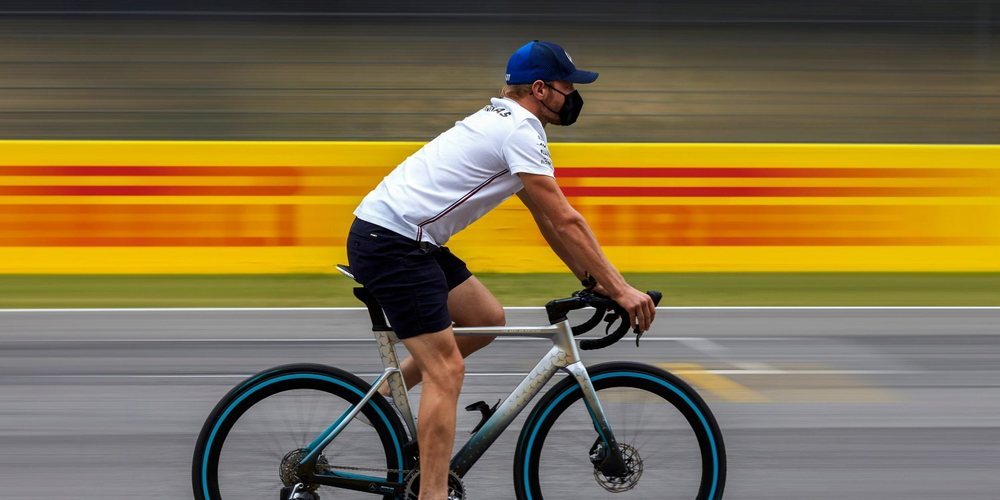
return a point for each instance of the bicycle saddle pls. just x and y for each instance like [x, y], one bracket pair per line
[346, 271]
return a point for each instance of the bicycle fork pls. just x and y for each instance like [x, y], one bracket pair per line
[606, 455]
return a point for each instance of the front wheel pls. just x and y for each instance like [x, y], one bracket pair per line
[668, 437]
[252, 441]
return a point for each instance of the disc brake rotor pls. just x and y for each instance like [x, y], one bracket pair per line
[627, 481]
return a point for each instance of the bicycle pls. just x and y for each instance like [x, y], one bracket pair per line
[250, 447]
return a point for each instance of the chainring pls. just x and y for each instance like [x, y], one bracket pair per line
[456, 488]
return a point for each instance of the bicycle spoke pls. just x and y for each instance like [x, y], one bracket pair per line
[250, 460]
[657, 431]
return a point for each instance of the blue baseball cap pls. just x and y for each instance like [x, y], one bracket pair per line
[544, 61]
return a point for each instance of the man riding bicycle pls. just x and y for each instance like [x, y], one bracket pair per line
[396, 244]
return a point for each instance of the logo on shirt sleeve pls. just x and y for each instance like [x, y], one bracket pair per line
[543, 148]
[504, 112]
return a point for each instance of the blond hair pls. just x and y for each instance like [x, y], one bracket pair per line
[515, 91]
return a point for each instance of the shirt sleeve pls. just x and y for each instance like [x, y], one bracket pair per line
[526, 151]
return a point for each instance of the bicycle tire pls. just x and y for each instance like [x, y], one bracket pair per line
[334, 385]
[630, 379]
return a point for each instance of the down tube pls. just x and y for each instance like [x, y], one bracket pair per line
[505, 414]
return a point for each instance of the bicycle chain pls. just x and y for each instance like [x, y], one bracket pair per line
[370, 469]
[406, 471]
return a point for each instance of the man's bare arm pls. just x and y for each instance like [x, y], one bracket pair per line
[550, 235]
[581, 246]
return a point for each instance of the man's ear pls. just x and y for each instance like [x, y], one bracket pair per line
[538, 88]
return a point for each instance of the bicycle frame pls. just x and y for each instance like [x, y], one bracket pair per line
[562, 356]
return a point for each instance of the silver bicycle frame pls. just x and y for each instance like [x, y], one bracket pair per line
[563, 355]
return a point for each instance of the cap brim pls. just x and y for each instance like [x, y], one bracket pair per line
[581, 76]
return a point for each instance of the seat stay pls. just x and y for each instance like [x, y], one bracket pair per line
[327, 436]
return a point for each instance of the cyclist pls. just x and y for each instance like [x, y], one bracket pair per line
[396, 244]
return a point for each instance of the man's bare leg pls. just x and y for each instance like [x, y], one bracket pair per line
[470, 304]
[440, 363]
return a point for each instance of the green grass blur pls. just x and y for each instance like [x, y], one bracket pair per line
[680, 289]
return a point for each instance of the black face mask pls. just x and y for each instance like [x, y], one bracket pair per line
[571, 107]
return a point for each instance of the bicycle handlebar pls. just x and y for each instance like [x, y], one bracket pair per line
[557, 311]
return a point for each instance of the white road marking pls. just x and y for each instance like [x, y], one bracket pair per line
[532, 308]
[755, 366]
[720, 352]
[702, 345]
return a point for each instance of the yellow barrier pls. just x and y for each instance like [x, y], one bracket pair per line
[281, 207]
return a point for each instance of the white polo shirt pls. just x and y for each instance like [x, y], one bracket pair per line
[460, 175]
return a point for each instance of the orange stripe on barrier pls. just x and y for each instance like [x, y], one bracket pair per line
[749, 192]
[168, 241]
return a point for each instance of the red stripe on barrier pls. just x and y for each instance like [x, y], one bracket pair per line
[179, 171]
[150, 171]
[181, 190]
[796, 172]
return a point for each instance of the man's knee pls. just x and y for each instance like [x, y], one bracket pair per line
[447, 373]
[496, 317]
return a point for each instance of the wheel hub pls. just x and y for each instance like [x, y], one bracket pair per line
[624, 482]
[288, 471]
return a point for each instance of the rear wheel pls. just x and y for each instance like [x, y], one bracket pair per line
[668, 437]
[251, 443]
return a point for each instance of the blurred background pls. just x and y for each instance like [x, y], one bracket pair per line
[884, 401]
[680, 71]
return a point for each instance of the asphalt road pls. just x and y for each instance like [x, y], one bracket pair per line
[813, 403]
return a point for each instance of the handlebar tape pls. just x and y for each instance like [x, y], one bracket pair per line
[602, 304]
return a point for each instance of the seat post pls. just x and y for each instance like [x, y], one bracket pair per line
[375, 312]
[379, 323]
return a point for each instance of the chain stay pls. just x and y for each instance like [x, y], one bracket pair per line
[369, 469]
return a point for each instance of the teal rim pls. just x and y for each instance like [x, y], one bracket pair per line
[664, 383]
[314, 376]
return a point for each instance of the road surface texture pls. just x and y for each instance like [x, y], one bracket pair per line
[813, 403]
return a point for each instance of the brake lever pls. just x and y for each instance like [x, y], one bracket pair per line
[656, 296]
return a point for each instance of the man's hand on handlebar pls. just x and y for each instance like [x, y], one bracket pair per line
[640, 307]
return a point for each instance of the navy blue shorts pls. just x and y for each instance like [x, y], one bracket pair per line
[410, 280]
